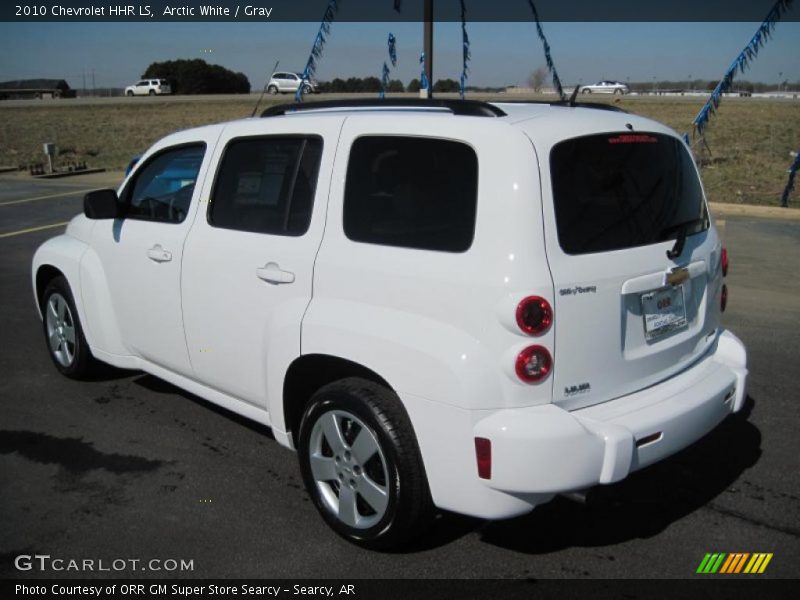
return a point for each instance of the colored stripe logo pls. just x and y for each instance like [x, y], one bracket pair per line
[734, 563]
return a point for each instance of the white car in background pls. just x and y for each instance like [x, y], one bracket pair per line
[605, 87]
[149, 87]
[287, 82]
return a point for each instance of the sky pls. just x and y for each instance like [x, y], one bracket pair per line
[502, 53]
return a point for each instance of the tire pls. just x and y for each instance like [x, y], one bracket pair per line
[361, 442]
[151, 93]
[273, 89]
[129, 94]
[617, 91]
[307, 89]
[63, 332]
[586, 92]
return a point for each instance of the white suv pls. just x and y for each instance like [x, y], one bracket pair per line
[149, 87]
[286, 82]
[442, 304]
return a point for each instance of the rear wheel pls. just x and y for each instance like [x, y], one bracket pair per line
[361, 464]
[63, 332]
[307, 89]
[586, 91]
[152, 92]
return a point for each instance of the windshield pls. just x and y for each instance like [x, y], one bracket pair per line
[621, 190]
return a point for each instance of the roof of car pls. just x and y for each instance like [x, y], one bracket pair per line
[560, 118]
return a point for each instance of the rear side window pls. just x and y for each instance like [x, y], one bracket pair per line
[266, 185]
[411, 192]
[621, 190]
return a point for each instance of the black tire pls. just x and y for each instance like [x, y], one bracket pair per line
[395, 467]
[151, 93]
[75, 359]
[617, 91]
[129, 94]
[307, 89]
[586, 91]
[273, 89]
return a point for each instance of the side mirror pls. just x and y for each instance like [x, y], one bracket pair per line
[101, 204]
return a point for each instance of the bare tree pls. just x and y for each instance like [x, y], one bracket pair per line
[537, 78]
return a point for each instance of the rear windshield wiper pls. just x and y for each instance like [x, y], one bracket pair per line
[683, 229]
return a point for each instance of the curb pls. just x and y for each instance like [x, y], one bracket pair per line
[67, 174]
[723, 209]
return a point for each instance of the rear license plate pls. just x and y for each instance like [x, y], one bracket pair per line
[664, 311]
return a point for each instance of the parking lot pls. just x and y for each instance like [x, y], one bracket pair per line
[131, 467]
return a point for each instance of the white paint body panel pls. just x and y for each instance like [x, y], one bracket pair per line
[438, 327]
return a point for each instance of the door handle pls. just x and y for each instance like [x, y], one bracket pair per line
[158, 254]
[272, 273]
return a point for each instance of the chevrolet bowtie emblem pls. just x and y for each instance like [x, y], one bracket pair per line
[677, 276]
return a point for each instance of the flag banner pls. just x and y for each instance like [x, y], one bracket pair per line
[547, 57]
[465, 54]
[740, 64]
[316, 48]
[790, 184]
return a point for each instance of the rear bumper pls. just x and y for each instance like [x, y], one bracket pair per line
[546, 449]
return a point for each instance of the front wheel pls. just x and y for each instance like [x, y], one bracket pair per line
[63, 332]
[307, 89]
[361, 464]
[129, 93]
[272, 89]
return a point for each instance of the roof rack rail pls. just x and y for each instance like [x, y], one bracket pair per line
[568, 103]
[471, 108]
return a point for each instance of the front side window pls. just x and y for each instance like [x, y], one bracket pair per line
[621, 190]
[411, 192]
[162, 189]
[267, 185]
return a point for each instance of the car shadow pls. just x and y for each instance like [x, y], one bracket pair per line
[644, 504]
[640, 506]
[159, 386]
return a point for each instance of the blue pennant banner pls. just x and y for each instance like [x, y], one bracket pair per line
[423, 78]
[740, 64]
[548, 58]
[790, 184]
[465, 50]
[392, 43]
[316, 48]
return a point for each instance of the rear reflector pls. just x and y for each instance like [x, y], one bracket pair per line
[533, 364]
[723, 298]
[483, 454]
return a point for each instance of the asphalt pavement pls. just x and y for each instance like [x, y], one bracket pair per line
[130, 467]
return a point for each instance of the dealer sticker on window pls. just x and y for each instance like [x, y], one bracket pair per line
[664, 311]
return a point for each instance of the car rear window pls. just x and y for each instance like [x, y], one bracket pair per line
[621, 190]
[411, 192]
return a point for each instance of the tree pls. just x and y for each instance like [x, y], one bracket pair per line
[413, 86]
[446, 85]
[196, 76]
[395, 85]
[537, 78]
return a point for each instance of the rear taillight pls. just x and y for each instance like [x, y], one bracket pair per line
[533, 364]
[534, 315]
[483, 455]
[724, 261]
[723, 298]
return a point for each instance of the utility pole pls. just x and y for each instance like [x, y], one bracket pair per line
[428, 46]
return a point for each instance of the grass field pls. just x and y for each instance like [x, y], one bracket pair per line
[749, 139]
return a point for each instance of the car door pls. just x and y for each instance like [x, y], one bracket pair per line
[248, 263]
[141, 253]
[141, 88]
